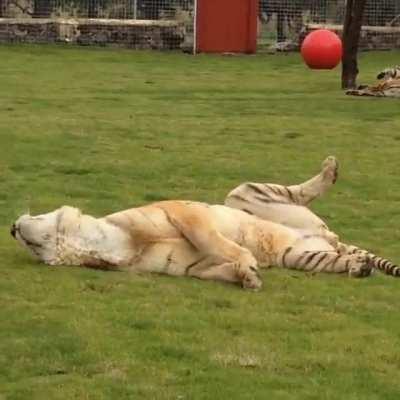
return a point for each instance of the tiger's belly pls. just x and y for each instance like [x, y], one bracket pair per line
[291, 215]
[308, 242]
[167, 256]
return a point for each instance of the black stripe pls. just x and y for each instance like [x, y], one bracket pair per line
[237, 197]
[390, 270]
[247, 211]
[373, 261]
[256, 189]
[278, 192]
[300, 258]
[192, 265]
[168, 261]
[265, 199]
[334, 261]
[311, 257]
[320, 260]
[274, 190]
[290, 194]
[381, 263]
[287, 251]
[394, 270]
[269, 200]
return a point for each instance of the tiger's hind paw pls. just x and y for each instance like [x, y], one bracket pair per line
[330, 167]
[361, 267]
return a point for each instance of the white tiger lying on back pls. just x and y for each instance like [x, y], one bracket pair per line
[194, 239]
[205, 241]
[288, 205]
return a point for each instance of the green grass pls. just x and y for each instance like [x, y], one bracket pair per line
[105, 130]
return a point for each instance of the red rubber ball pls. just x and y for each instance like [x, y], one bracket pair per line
[322, 49]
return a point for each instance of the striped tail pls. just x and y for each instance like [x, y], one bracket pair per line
[384, 265]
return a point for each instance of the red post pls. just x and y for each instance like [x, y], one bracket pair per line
[226, 26]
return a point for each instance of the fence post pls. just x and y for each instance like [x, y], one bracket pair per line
[134, 9]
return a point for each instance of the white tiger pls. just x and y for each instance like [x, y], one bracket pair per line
[186, 238]
[288, 205]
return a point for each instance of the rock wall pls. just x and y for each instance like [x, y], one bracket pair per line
[137, 34]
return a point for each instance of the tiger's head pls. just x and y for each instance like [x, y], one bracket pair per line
[41, 234]
[389, 73]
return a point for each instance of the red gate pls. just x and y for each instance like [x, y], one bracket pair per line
[226, 26]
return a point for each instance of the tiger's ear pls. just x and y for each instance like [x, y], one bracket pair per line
[381, 75]
[68, 219]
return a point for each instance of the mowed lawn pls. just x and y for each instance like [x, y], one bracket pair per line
[105, 130]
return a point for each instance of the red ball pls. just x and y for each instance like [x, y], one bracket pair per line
[322, 49]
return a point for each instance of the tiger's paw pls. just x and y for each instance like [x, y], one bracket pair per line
[252, 280]
[330, 167]
[360, 266]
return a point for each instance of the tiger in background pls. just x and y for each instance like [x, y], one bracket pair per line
[388, 85]
[389, 73]
[288, 205]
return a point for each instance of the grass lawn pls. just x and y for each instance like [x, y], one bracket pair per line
[105, 130]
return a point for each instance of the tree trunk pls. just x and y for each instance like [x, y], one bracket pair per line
[2, 10]
[42, 8]
[351, 36]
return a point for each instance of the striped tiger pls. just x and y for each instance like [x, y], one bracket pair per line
[288, 205]
[388, 85]
[389, 73]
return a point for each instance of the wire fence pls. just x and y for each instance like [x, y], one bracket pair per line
[284, 23]
[113, 9]
[169, 24]
[139, 24]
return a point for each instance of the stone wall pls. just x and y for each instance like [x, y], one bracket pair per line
[137, 34]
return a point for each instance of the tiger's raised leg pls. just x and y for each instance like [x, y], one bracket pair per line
[301, 194]
[306, 192]
[356, 265]
[287, 204]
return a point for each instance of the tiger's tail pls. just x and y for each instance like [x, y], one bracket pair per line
[384, 265]
[375, 262]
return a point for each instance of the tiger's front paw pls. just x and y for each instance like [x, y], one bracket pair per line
[247, 271]
[330, 167]
[251, 279]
